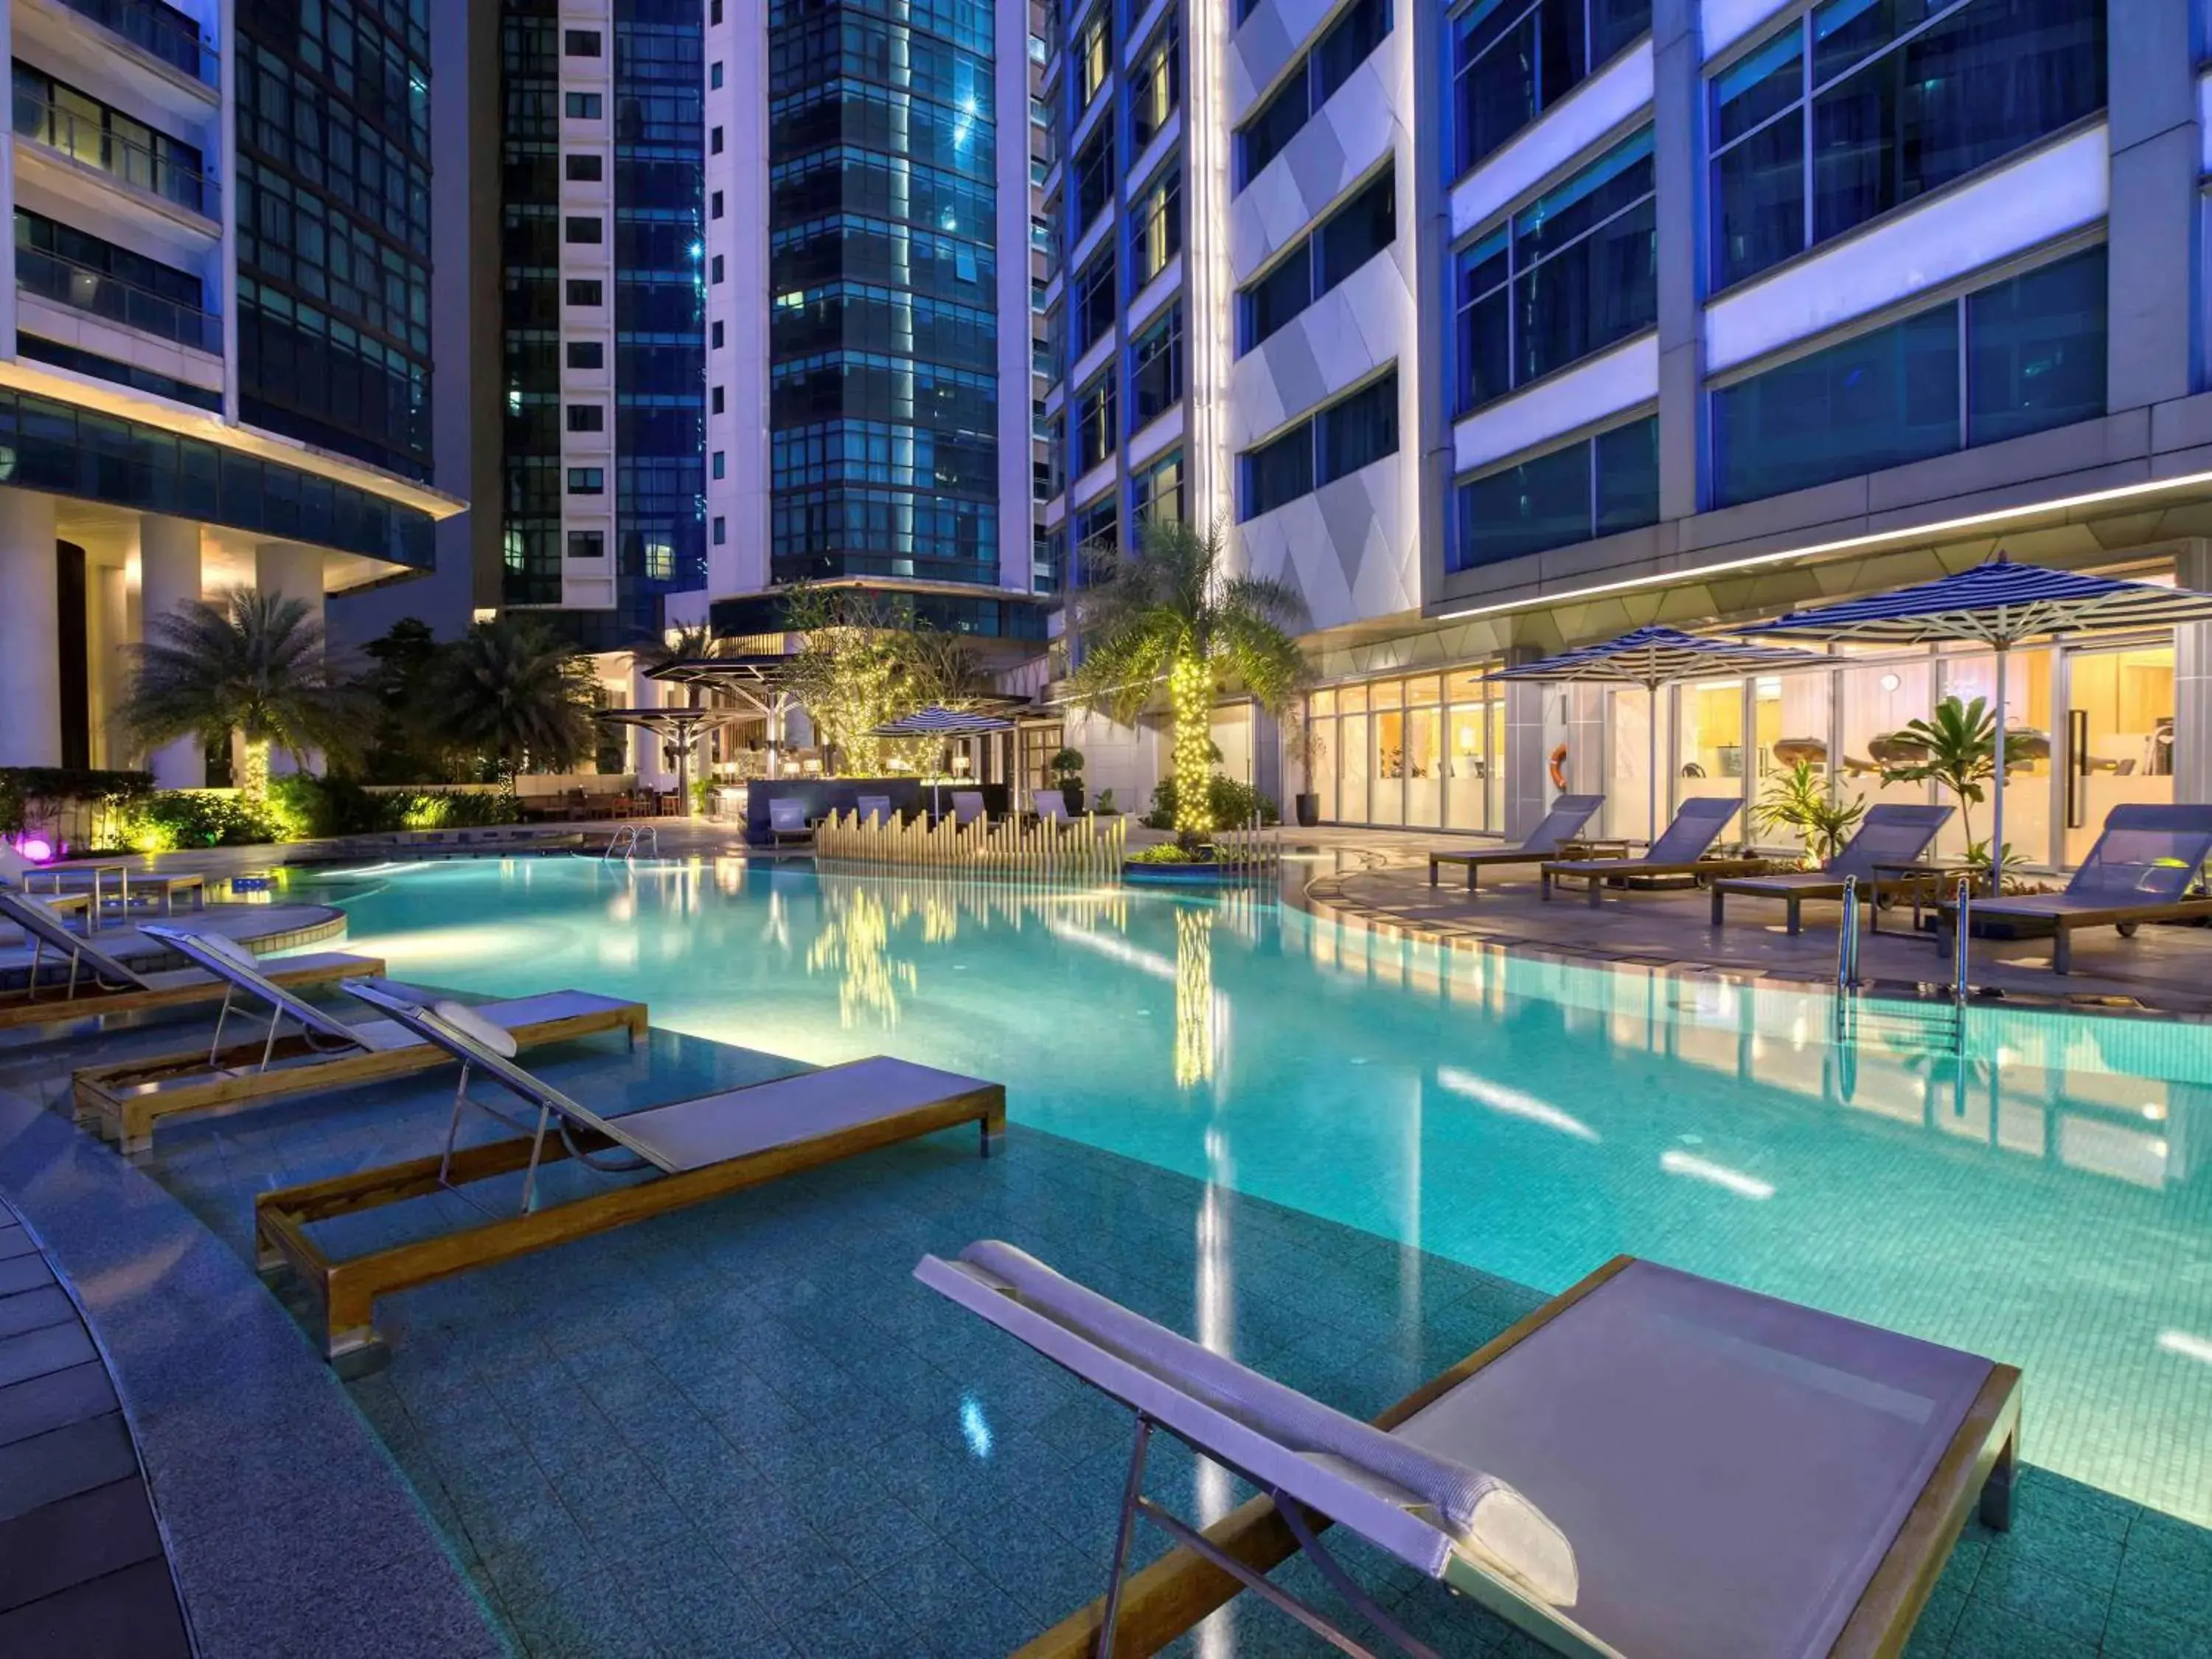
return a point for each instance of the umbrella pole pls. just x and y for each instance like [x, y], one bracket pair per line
[1996, 835]
[1652, 764]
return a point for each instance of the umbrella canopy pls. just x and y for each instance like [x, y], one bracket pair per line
[1997, 603]
[677, 725]
[1652, 657]
[937, 722]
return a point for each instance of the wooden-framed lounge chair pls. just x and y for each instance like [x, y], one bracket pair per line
[1561, 825]
[786, 820]
[122, 1100]
[1679, 852]
[1650, 1466]
[98, 984]
[2146, 859]
[688, 1151]
[1893, 832]
[967, 807]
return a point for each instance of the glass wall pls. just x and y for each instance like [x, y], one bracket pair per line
[1426, 752]
[1709, 741]
[2119, 737]
[1877, 701]
[1593, 487]
[1969, 675]
[1513, 59]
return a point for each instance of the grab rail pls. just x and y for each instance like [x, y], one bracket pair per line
[1847, 937]
[1959, 944]
[627, 840]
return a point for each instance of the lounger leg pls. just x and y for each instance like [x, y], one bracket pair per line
[1432, 872]
[1719, 899]
[1596, 890]
[1996, 1491]
[994, 1136]
[1132, 1489]
[2062, 950]
[1795, 917]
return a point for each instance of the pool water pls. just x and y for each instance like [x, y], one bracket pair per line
[2044, 1199]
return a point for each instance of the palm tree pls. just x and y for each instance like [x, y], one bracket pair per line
[1959, 748]
[514, 690]
[245, 662]
[1170, 613]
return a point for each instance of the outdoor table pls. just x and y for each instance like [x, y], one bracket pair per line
[1939, 872]
[120, 871]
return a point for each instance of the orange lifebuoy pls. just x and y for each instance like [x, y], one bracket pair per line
[1559, 767]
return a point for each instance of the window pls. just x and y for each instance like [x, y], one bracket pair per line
[586, 291]
[1347, 44]
[1156, 369]
[714, 205]
[587, 544]
[714, 12]
[587, 353]
[1095, 429]
[1157, 492]
[1154, 86]
[718, 465]
[1339, 245]
[715, 269]
[1513, 59]
[588, 481]
[1156, 227]
[586, 417]
[1093, 53]
[715, 141]
[1279, 471]
[583, 106]
[721, 530]
[714, 401]
[1094, 176]
[1887, 106]
[583, 169]
[1095, 300]
[2034, 358]
[1571, 273]
[715, 75]
[714, 334]
[1357, 430]
[1594, 488]
[580, 43]
[1098, 532]
[585, 228]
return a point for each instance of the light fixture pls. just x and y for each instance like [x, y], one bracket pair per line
[1890, 682]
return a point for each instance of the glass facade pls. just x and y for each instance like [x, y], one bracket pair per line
[884, 331]
[2018, 357]
[1890, 102]
[333, 184]
[1513, 59]
[1342, 48]
[1427, 751]
[531, 294]
[1596, 487]
[1357, 430]
[1573, 272]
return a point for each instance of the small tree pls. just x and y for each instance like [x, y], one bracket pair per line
[516, 691]
[1171, 613]
[1799, 799]
[246, 662]
[1959, 745]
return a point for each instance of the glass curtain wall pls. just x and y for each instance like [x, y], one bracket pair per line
[1709, 741]
[2118, 736]
[1426, 751]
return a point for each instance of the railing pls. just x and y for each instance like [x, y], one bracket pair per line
[93, 145]
[82, 288]
[1083, 850]
[629, 841]
[1249, 853]
[1958, 946]
[163, 30]
[1943, 1022]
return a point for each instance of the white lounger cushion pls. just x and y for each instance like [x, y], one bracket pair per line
[1478, 1511]
[494, 1036]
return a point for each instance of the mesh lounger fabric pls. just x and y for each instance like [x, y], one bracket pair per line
[1891, 834]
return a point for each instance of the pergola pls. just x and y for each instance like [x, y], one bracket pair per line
[680, 726]
[756, 682]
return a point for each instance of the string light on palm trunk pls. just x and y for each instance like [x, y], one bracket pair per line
[1190, 692]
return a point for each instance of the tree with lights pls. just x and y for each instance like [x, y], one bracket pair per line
[1169, 612]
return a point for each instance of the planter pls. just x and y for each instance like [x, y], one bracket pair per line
[1171, 875]
[1071, 791]
[1308, 810]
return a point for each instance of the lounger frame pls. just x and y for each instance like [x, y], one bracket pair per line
[2125, 917]
[1162, 1601]
[58, 1005]
[1596, 873]
[1505, 857]
[348, 1288]
[122, 1102]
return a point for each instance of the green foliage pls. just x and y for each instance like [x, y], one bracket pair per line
[1065, 763]
[867, 660]
[1800, 799]
[1104, 805]
[36, 794]
[302, 808]
[516, 692]
[1228, 803]
[170, 819]
[402, 680]
[1169, 852]
[1960, 746]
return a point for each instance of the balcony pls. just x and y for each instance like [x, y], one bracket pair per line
[82, 288]
[92, 142]
[160, 31]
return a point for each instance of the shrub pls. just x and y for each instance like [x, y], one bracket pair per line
[169, 819]
[1233, 804]
[1167, 852]
[444, 812]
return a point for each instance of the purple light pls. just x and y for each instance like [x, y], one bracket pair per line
[36, 850]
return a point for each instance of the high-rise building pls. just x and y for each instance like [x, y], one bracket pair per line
[214, 331]
[871, 331]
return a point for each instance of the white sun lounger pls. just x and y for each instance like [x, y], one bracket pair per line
[109, 986]
[689, 1151]
[1652, 1466]
[124, 1099]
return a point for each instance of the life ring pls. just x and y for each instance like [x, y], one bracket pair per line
[1559, 767]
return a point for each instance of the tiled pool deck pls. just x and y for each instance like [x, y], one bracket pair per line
[746, 1430]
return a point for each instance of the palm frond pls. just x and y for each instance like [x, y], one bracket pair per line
[248, 662]
[514, 690]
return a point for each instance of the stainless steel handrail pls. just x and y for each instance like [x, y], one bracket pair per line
[1847, 937]
[1959, 942]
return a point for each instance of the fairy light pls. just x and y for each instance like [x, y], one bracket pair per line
[1190, 692]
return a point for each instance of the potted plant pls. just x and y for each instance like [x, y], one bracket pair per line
[1957, 748]
[1799, 799]
[1066, 770]
[1306, 805]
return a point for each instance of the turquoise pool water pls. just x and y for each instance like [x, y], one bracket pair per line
[2046, 1200]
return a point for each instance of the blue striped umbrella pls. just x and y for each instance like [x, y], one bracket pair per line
[937, 721]
[1997, 603]
[1652, 657]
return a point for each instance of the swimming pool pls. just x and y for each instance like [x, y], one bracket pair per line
[2046, 1200]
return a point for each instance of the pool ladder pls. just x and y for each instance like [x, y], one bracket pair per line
[626, 842]
[1944, 1021]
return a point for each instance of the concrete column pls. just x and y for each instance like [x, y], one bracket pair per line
[168, 577]
[2192, 681]
[2153, 350]
[296, 572]
[30, 643]
[1675, 125]
[111, 663]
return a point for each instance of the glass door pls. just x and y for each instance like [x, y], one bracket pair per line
[1709, 742]
[1969, 675]
[1424, 753]
[2119, 738]
[1469, 759]
[1386, 803]
[1351, 756]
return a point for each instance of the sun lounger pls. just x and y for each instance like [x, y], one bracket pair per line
[2145, 861]
[1050, 806]
[1680, 851]
[124, 1100]
[98, 984]
[967, 807]
[874, 809]
[1891, 833]
[1651, 1465]
[1561, 825]
[786, 820]
[63, 905]
[688, 1151]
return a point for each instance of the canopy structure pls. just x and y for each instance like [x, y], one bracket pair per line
[680, 726]
[1997, 603]
[756, 682]
[1653, 657]
[936, 721]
